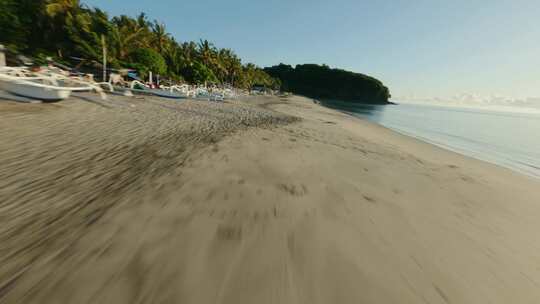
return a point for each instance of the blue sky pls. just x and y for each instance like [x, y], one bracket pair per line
[426, 48]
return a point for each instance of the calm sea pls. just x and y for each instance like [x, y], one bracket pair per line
[509, 139]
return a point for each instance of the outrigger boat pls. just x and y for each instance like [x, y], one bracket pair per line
[174, 92]
[209, 95]
[47, 86]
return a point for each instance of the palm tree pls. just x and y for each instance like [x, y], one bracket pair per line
[126, 35]
[209, 56]
[207, 52]
[62, 7]
[61, 12]
[69, 27]
[232, 65]
[189, 50]
[142, 21]
[173, 57]
[161, 37]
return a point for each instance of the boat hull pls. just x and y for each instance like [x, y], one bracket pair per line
[166, 94]
[158, 93]
[34, 92]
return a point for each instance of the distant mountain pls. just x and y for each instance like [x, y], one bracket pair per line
[321, 81]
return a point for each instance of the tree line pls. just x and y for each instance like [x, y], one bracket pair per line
[67, 29]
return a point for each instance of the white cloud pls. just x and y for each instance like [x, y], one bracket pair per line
[472, 100]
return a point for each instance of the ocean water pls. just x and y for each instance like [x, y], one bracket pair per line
[508, 138]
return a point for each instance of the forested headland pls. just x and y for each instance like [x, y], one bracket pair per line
[321, 81]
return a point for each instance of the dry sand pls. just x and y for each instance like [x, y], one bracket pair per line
[155, 201]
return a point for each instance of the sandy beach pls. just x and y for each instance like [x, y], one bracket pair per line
[260, 200]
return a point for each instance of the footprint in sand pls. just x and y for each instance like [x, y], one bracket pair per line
[294, 190]
[229, 233]
[369, 199]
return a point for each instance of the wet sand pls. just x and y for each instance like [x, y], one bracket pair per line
[265, 200]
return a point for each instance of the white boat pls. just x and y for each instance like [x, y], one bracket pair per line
[139, 87]
[45, 87]
[34, 90]
[166, 94]
[209, 95]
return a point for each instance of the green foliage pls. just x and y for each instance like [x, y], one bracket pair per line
[66, 28]
[253, 75]
[202, 74]
[19, 20]
[146, 60]
[321, 81]
[11, 29]
[69, 29]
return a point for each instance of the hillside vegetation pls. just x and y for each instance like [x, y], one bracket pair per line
[321, 81]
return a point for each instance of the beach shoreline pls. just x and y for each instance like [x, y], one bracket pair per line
[447, 127]
[263, 200]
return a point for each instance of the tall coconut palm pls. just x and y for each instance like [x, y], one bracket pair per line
[69, 27]
[232, 65]
[207, 52]
[160, 35]
[85, 28]
[172, 52]
[62, 7]
[126, 35]
[61, 12]
[209, 56]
